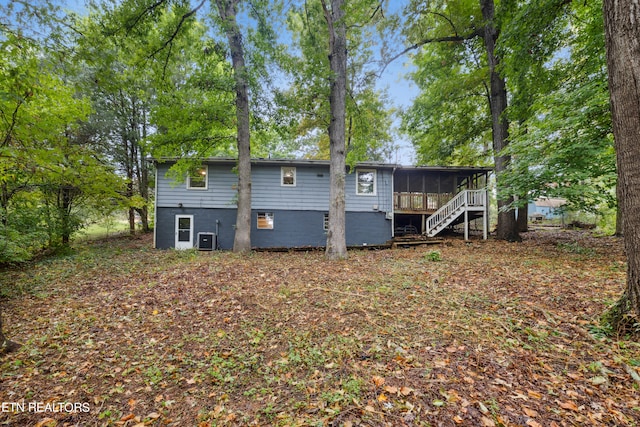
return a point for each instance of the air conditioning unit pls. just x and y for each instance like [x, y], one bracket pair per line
[207, 241]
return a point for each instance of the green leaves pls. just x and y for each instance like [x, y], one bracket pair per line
[49, 177]
[449, 122]
[368, 118]
[563, 145]
[552, 57]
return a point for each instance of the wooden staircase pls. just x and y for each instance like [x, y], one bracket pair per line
[463, 203]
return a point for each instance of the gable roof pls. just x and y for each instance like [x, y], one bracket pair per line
[549, 202]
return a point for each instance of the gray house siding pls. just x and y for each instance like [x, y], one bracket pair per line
[311, 191]
[290, 229]
[298, 210]
[204, 221]
[220, 192]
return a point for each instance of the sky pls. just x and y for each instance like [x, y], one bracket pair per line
[394, 79]
[402, 91]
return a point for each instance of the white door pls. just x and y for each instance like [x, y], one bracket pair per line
[184, 231]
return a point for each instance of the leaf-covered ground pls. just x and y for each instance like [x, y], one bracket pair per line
[493, 334]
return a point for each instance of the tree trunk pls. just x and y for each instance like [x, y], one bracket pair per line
[618, 232]
[65, 214]
[336, 235]
[132, 221]
[131, 168]
[228, 10]
[143, 176]
[6, 346]
[507, 225]
[523, 219]
[4, 205]
[622, 31]
[144, 218]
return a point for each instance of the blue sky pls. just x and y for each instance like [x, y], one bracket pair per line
[395, 79]
[402, 91]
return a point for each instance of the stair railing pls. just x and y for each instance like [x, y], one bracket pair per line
[456, 206]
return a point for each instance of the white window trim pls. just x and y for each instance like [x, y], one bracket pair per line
[295, 178]
[206, 180]
[273, 221]
[375, 182]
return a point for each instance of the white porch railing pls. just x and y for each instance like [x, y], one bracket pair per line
[419, 202]
[464, 201]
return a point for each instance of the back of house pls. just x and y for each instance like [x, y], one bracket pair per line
[289, 199]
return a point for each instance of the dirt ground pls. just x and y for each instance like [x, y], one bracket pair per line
[459, 333]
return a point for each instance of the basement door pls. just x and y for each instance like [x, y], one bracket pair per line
[184, 231]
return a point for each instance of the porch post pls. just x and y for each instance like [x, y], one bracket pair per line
[485, 216]
[466, 214]
[466, 224]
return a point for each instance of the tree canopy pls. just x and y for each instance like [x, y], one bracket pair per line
[114, 83]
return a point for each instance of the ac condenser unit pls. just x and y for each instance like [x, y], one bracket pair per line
[207, 241]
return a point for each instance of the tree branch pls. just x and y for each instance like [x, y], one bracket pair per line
[183, 19]
[329, 19]
[457, 39]
[146, 11]
[373, 15]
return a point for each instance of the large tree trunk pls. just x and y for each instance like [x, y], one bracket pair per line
[228, 11]
[336, 235]
[523, 219]
[507, 225]
[622, 30]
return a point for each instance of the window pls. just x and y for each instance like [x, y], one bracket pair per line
[197, 180]
[325, 222]
[265, 220]
[366, 182]
[288, 176]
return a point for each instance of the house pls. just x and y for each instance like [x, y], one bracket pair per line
[290, 202]
[546, 208]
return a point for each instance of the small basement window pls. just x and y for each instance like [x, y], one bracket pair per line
[366, 182]
[265, 220]
[288, 176]
[197, 180]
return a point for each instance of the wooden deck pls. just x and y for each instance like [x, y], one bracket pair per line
[419, 203]
[414, 240]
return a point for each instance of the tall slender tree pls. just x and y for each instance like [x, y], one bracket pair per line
[622, 29]
[336, 236]
[339, 111]
[228, 11]
[507, 225]
[458, 29]
[558, 149]
[225, 12]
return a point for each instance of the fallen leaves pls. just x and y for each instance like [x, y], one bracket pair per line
[378, 381]
[163, 338]
[569, 405]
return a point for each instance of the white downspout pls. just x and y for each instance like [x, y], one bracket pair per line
[155, 209]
